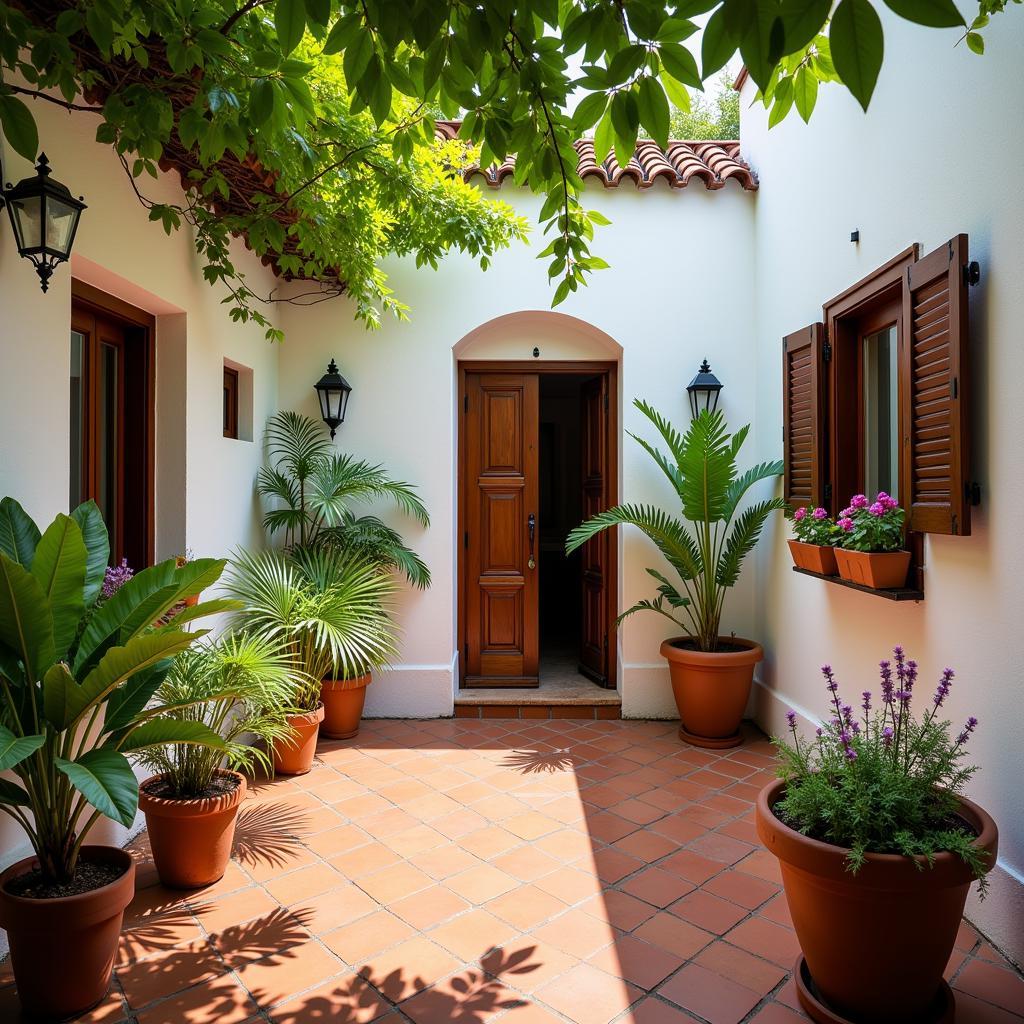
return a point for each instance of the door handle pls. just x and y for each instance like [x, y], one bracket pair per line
[531, 526]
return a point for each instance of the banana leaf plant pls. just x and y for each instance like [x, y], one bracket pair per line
[78, 677]
[311, 489]
[707, 545]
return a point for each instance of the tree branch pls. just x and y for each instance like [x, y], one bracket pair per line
[39, 95]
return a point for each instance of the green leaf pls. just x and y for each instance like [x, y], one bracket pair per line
[13, 795]
[717, 44]
[318, 11]
[14, 749]
[805, 92]
[626, 122]
[121, 663]
[933, 13]
[127, 701]
[290, 23]
[100, 27]
[783, 101]
[106, 780]
[604, 136]
[158, 732]
[19, 535]
[26, 624]
[653, 109]
[802, 21]
[857, 47]
[19, 127]
[976, 42]
[59, 566]
[261, 102]
[676, 91]
[680, 64]
[59, 696]
[97, 544]
[590, 111]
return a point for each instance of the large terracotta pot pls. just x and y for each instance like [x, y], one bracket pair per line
[881, 570]
[711, 689]
[815, 557]
[295, 756]
[191, 838]
[875, 943]
[63, 949]
[343, 706]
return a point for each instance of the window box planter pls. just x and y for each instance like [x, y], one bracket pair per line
[819, 558]
[880, 570]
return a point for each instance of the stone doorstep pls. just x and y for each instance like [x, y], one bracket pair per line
[537, 710]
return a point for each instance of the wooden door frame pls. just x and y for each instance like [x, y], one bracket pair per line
[109, 306]
[609, 368]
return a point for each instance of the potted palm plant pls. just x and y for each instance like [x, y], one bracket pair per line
[240, 688]
[79, 677]
[329, 608]
[711, 674]
[878, 849]
[311, 489]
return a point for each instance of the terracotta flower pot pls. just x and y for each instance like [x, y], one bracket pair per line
[343, 706]
[191, 838]
[63, 949]
[875, 943]
[711, 689]
[295, 756]
[881, 570]
[815, 557]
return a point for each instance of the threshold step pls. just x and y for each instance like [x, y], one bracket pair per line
[583, 700]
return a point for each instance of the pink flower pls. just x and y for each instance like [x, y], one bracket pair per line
[859, 501]
[889, 503]
[820, 513]
[799, 514]
[878, 509]
[845, 524]
[847, 512]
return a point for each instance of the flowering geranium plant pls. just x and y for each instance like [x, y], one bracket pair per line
[814, 527]
[871, 525]
[878, 779]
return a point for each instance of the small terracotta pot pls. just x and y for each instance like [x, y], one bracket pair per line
[343, 706]
[191, 838]
[876, 943]
[711, 689]
[815, 557]
[63, 949]
[191, 601]
[882, 570]
[295, 756]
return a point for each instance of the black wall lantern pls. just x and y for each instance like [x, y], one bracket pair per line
[703, 391]
[333, 390]
[44, 215]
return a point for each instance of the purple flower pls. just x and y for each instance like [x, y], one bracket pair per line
[886, 500]
[942, 690]
[877, 509]
[115, 577]
[859, 501]
[887, 737]
[851, 754]
[826, 671]
[845, 524]
[791, 718]
[866, 702]
[819, 732]
[847, 714]
[799, 514]
[885, 671]
[820, 513]
[972, 724]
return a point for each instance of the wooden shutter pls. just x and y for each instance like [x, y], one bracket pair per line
[934, 384]
[803, 404]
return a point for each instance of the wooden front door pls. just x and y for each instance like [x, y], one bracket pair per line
[596, 552]
[500, 495]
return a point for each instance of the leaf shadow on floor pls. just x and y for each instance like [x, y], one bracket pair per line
[269, 834]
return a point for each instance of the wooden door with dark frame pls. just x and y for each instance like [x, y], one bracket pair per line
[498, 486]
[111, 419]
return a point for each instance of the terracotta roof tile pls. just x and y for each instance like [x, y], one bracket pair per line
[712, 163]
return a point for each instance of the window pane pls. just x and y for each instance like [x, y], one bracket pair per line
[108, 447]
[881, 413]
[76, 490]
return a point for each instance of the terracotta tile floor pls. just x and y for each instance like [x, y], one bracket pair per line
[462, 871]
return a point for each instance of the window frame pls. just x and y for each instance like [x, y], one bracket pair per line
[229, 409]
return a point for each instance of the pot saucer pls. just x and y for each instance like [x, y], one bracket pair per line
[709, 743]
[942, 1010]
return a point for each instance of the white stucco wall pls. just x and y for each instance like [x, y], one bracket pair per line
[204, 482]
[937, 154]
[678, 290]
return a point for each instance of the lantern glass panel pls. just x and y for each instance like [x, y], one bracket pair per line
[27, 219]
[61, 219]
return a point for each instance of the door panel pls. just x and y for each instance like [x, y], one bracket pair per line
[596, 552]
[500, 492]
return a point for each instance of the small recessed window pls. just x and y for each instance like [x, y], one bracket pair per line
[230, 402]
[881, 412]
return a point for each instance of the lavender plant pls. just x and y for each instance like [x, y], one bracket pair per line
[816, 527]
[871, 525]
[878, 778]
[114, 578]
